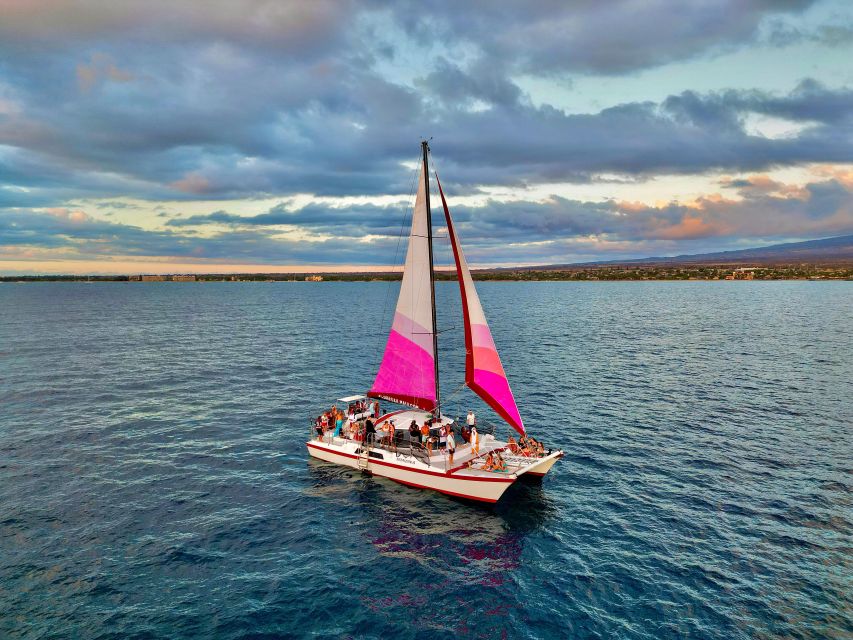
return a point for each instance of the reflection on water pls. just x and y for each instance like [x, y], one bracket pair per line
[459, 545]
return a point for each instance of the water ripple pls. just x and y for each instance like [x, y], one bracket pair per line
[154, 482]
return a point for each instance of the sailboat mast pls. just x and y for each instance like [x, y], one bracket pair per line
[425, 148]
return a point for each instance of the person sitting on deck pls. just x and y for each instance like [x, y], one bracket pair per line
[500, 463]
[512, 445]
[465, 432]
[489, 464]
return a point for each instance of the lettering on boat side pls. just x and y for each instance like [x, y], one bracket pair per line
[405, 457]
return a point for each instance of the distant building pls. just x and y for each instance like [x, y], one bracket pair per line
[742, 273]
[313, 278]
[183, 278]
[153, 278]
[134, 278]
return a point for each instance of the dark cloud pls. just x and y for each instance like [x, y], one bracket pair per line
[229, 100]
[591, 36]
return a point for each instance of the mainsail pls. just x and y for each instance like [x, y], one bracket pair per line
[484, 373]
[407, 372]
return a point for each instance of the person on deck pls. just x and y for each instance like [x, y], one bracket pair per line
[475, 441]
[465, 432]
[414, 432]
[451, 445]
[499, 462]
[386, 434]
[426, 439]
[512, 445]
[489, 464]
[339, 424]
[442, 437]
[471, 420]
[369, 431]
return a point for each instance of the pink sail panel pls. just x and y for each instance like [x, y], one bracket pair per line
[484, 373]
[407, 371]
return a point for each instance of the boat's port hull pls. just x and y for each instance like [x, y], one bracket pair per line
[471, 488]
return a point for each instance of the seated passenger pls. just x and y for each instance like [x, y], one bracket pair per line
[512, 445]
[500, 463]
[489, 464]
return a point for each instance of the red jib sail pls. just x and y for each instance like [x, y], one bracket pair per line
[407, 372]
[484, 373]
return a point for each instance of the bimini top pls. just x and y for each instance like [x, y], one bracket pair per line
[352, 398]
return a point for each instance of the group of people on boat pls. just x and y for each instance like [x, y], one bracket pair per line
[352, 424]
[433, 435]
[494, 462]
[363, 406]
[526, 446]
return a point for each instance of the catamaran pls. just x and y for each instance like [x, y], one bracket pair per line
[398, 445]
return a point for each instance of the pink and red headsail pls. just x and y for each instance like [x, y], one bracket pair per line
[407, 372]
[484, 373]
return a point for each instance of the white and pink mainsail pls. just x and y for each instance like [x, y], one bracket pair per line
[484, 373]
[407, 371]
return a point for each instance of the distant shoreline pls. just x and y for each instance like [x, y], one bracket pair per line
[623, 273]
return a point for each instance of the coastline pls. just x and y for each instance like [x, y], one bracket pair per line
[645, 273]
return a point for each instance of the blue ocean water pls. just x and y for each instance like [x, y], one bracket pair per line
[154, 481]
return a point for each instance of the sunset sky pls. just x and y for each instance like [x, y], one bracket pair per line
[215, 135]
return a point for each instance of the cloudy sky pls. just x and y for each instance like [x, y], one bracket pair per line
[240, 135]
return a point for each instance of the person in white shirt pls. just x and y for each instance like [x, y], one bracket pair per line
[451, 445]
[472, 419]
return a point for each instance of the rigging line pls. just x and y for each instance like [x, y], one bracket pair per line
[453, 393]
[378, 353]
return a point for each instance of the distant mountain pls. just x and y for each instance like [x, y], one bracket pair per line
[824, 251]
